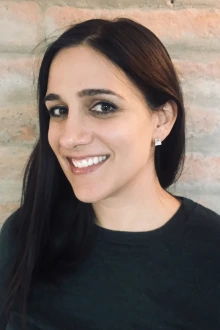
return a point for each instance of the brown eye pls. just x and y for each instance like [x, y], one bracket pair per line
[57, 111]
[104, 108]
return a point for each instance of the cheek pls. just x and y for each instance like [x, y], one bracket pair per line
[119, 138]
[137, 141]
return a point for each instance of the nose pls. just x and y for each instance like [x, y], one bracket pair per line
[75, 132]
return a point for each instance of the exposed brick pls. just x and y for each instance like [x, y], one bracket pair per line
[201, 84]
[204, 91]
[193, 27]
[21, 23]
[10, 191]
[130, 3]
[18, 123]
[197, 3]
[206, 144]
[110, 3]
[195, 188]
[16, 79]
[181, 53]
[202, 129]
[198, 68]
[202, 169]
[201, 121]
[18, 113]
[13, 161]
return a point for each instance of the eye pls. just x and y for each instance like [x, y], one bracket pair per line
[104, 108]
[57, 111]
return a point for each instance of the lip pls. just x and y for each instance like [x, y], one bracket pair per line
[85, 170]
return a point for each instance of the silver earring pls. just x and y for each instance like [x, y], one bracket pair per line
[158, 142]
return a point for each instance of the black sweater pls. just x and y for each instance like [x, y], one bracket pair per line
[167, 279]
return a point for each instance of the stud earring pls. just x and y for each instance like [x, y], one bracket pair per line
[158, 142]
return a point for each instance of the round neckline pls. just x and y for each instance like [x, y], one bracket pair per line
[142, 237]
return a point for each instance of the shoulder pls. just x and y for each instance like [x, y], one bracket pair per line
[203, 218]
[7, 255]
[201, 231]
[9, 224]
[8, 237]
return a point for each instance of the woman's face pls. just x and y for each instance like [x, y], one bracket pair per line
[125, 134]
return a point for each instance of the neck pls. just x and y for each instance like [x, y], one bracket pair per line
[143, 206]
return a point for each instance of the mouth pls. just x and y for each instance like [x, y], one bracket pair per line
[86, 169]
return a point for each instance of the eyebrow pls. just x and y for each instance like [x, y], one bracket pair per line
[84, 92]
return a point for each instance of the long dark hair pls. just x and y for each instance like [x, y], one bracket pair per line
[54, 230]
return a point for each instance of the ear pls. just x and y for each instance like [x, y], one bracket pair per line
[165, 119]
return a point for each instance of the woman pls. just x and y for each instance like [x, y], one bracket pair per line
[98, 242]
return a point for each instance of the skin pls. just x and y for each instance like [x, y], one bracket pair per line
[125, 192]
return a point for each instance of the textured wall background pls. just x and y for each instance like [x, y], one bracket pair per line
[190, 29]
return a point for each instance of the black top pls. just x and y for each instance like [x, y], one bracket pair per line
[167, 278]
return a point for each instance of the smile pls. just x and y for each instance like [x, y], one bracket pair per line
[88, 162]
[87, 166]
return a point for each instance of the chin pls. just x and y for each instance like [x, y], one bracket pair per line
[87, 197]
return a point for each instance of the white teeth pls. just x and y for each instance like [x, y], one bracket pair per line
[96, 160]
[88, 162]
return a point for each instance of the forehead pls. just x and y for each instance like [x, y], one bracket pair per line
[82, 67]
[82, 64]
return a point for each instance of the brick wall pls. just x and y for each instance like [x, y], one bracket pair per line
[190, 29]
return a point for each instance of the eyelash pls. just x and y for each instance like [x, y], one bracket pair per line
[99, 113]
